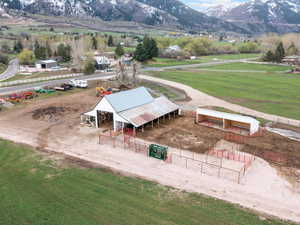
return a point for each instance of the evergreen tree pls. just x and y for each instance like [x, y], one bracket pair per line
[279, 53]
[18, 47]
[48, 50]
[269, 56]
[94, 43]
[64, 52]
[147, 45]
[119, 51]
[40, 52]
[139, 53]
[153, 49]
[146, 50]
[110, 41]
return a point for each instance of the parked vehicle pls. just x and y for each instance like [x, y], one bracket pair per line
[64, 87]
[79, 83]
[44, 90]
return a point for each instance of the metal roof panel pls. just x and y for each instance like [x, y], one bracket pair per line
[126, 100]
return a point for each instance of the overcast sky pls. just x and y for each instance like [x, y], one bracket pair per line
[203, 4]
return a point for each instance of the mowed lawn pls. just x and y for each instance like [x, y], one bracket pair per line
[249, 67]
[38, 191]
[274, 93]
[163, 62]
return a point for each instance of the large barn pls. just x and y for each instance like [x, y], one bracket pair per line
[131, 109]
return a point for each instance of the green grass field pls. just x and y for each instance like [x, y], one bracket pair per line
[2, 68]
[274, 93]
[162, 62]
[250, 67]
[36, 191]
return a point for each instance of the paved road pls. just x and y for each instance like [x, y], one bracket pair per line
[12, 70]
[25, 87]
[12, 89]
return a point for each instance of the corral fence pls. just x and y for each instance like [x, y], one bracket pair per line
[126, 142]
[280, 159]
[210, 164]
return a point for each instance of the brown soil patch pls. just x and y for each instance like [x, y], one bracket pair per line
[183, 133]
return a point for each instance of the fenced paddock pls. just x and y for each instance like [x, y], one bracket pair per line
[211, 164]
[126, 142]
[231, 166]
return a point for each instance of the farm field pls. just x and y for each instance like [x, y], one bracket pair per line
[162, 62]
[44, 191]
[274, 93]
[250, 67]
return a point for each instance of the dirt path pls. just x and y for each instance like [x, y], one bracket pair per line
[201, 99]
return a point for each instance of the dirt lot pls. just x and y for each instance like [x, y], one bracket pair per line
[183, 133]
[64, 112]
[54, 124]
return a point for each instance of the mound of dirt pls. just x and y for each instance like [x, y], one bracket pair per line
[51, 113]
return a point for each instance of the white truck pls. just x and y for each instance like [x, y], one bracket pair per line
[79, 83]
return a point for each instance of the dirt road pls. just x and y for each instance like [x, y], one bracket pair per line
[201, 99]
[53, 124]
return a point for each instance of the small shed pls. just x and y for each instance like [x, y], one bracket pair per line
[131, 109]
[46, 64]
[227, 121]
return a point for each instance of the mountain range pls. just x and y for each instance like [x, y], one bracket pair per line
[259, 16]
[252, 17]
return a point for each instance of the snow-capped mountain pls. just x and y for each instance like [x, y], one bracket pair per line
[217, 11]
[171, 13]
[268, 11]
[265, 15]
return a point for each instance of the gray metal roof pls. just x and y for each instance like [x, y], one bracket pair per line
[228, 116]
[126, 100]
[141, 115]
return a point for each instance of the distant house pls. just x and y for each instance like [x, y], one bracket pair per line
[173, 48]
[292, 60]
[102, 62]
[46, 64]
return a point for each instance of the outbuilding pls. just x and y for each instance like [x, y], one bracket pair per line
[102, 62]
[46, 64]
[131, 109]
[227, 121]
